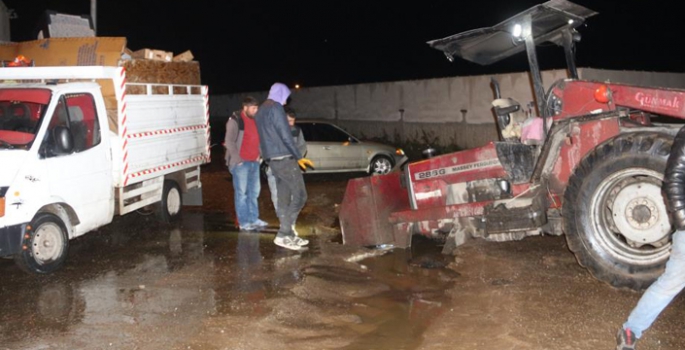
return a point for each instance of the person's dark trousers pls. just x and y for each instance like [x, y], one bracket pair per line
[292, 194]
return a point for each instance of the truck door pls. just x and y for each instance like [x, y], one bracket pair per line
[81, 174]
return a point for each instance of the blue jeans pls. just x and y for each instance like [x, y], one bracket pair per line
[246, 189]
[661, 292]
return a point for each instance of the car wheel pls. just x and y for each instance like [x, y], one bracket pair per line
[380, 165]
[46, 244]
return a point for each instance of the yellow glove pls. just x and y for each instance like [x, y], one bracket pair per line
[304, 163]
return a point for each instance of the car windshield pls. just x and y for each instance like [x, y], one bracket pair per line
[21, 111]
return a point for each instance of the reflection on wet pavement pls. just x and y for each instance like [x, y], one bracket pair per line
[138, 284]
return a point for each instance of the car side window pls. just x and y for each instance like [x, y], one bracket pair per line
[77, 113]
[309, 131]
[332, 134]
[322, 132]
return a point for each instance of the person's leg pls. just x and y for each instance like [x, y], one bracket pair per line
[295, 195]
[281, 173]
[661, 292]
[239, 173]
[290, 201]
[253, 188]
[271, 180]
[298, 198]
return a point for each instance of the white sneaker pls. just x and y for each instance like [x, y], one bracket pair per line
[287, 242]
[248, 227]
[260, 223]
[300, 241]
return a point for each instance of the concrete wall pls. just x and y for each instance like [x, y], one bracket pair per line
[662, 79]
[440, 112]
[4, 23]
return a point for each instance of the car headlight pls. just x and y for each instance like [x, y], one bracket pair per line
[399, 152]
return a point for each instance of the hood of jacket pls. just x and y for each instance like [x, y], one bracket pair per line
[279, 93]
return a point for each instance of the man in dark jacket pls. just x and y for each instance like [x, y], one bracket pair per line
[242, 159]
[280, 152]
[301, 146]
[672, 281]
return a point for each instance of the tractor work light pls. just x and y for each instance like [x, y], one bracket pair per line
[518, 30]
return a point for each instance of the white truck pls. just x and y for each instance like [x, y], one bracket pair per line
[79, 145]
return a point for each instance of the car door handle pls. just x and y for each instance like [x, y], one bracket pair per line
[327, 148]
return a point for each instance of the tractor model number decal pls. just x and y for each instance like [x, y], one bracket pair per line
[431, 173]
[456, 169]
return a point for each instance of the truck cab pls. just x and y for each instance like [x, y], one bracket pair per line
[56, 161]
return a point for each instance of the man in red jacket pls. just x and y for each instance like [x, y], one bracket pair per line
[242, 159]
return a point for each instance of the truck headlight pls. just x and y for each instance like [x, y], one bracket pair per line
[3, 191]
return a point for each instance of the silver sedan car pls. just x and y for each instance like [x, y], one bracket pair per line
[332, 149]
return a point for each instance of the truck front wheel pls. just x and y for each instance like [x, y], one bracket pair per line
[615, 217]
[45, 245]
[169, 208]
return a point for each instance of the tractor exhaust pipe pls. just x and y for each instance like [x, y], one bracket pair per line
[495, 87]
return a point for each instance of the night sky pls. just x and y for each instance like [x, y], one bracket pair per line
[247, 45]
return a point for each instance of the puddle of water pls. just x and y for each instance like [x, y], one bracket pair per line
[415, 297]
[135, 277]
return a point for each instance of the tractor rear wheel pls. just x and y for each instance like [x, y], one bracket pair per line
[615, 218]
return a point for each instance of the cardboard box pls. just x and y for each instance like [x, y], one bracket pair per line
[184, 57]
[62, 25]
[93, 51]
[157, 55]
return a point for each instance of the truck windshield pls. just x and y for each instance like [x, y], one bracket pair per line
[21, 111]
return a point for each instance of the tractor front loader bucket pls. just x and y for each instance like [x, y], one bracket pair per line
[365, 209]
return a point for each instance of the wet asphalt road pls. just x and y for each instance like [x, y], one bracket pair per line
[200, 284]
[139, 284]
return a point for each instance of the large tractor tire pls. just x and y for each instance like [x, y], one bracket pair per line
[615, 217]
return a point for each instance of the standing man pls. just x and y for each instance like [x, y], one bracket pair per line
[301, 146]
[672, 281]
[283, 157]
[242, 159]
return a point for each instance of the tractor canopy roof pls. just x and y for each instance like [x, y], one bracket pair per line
[491, 44]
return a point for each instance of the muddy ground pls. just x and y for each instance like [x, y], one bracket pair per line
[200, 284]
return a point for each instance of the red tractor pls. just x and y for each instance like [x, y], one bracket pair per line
[590, 166]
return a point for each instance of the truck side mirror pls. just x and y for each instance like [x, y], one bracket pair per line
[64, 141]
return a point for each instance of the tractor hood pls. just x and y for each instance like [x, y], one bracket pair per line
[489, 45]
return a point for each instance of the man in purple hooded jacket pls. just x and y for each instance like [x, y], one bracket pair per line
[280, 152]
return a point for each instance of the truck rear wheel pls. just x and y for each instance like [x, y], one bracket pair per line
[615, 218]
[169, 208]
[46, 246]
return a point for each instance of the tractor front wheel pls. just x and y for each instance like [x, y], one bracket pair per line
[615, 218]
